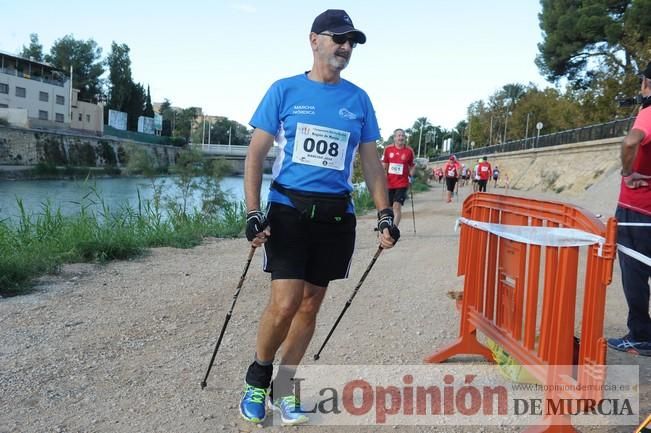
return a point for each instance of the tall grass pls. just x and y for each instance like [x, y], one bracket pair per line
[40, 243]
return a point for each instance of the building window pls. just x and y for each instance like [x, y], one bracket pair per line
[42, 114]
[4, 106]
[88, 118]
[4, 88]
[80, 117]
[61, 100]
[59, 117]
[43, 96]
[20, 92]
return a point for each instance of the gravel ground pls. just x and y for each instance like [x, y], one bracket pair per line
[123, 347]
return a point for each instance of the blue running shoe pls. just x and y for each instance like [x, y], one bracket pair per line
[252, 404]
[627, 344]
[290, 410]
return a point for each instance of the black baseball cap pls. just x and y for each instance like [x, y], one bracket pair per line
[647, 71]
[337, 22]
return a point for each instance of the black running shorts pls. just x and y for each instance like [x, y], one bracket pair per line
[301, 249]
[450, 182]
[397, 195]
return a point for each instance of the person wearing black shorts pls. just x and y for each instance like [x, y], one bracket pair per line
[311, 251]
[308, 230]
[398, 161]
[452, 173]
[398, 195]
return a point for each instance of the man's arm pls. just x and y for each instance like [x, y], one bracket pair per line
[629, 149]
[260, 145]
[376, 182]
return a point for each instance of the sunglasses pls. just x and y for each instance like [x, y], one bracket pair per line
[341, 39]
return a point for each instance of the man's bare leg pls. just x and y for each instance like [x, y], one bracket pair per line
[284, 302]
[397, 213]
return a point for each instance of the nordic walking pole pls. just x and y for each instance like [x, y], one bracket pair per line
[457, 191]
[413, 216]
[349, 301]
[228, 315]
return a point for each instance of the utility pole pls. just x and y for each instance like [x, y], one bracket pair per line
[203, 131]
[469, 130]
[490, 134]
[420, 137]
[506, 122]
[70, 95]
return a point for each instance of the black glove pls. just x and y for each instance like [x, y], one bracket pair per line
[256, 222]
[385, 221]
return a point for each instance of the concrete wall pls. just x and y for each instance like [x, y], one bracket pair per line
[15, 116]
[19, 146]
[568, 168]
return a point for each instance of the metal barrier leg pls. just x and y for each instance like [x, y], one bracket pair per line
[465, 345]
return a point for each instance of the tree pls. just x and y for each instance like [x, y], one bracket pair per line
[34, 50]
[168, 114]
[120, 82]
[135, 105]
[84, 57]
[184, 120]
[418, 133]
[149, 108]
[582, 36]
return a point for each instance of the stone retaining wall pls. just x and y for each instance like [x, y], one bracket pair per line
[21, 146]
[568, 168]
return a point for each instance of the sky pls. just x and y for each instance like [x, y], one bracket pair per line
[421, 59]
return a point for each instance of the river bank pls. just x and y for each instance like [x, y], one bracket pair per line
[123, 347]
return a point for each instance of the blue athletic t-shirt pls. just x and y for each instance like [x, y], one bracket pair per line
[318, 128]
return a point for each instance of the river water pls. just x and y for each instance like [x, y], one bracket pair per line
[115, 192]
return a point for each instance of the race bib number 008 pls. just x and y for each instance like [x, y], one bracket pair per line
[320, 146]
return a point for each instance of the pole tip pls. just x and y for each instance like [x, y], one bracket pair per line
[203, 384]
[316, 357]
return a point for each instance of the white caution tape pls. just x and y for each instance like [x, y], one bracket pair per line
[632, 253]
[634, 224]
[543, 236]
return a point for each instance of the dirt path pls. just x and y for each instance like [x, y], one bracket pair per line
[123, 347]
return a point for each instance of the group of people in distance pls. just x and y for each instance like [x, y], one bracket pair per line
[457, 174]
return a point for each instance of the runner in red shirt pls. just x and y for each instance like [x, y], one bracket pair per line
[452, 171]
[485, 172]
[634, 226]
[398, 162]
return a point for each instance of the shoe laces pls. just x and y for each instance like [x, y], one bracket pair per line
[256, 395]
[290, 401]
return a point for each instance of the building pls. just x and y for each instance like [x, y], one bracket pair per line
[38, 95]
[86, 116]
[34, 91]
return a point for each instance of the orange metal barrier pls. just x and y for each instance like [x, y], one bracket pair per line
[502, 295]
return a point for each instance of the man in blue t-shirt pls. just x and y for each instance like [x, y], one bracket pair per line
[319, 121]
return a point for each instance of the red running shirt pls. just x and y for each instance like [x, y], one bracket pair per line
[485, 170]
[452, 169]
[639, 199]
[399, 161]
